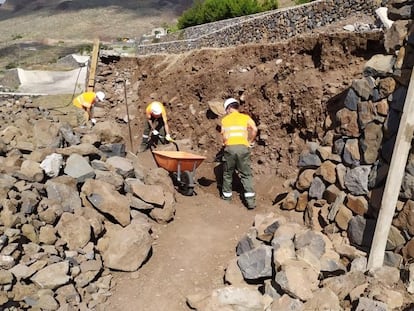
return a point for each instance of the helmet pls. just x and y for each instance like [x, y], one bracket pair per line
[156, 108]
[229, 101]
[100, 95]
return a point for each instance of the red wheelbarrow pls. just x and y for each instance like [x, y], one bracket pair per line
[182, 166]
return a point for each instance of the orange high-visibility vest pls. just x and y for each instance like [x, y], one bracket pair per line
[149, 114]
[234, 128]
[84, 100]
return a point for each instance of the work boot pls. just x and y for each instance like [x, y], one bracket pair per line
[251, 203]
[228, 199]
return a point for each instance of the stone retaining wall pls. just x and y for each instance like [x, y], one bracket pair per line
[268, 27]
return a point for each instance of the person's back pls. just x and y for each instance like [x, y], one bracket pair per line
[84, 100]
[155, 126]
[235, 129]
[234, 126]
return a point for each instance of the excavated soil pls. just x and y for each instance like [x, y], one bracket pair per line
[285, 87]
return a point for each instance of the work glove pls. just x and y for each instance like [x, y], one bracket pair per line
[155, 132]
[93, 120]
[168, 138]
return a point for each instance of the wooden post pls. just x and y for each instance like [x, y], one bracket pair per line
[92, 69]
[394, 180]
[127, 112]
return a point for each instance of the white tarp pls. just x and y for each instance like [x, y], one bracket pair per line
[52, 82]
[55, 82]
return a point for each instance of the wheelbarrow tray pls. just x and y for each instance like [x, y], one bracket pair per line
[174, 161]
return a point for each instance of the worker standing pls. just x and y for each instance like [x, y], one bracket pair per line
[86, 101]
[239, 132]
[156, 124]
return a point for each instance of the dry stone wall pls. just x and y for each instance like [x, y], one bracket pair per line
[342, 178]
[266, 27]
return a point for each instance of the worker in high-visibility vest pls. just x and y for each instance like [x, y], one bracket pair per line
[155, 126]
[86, 101]
[239, 133]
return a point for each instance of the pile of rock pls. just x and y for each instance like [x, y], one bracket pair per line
[73, 207]
[283, 266]
[323, 264]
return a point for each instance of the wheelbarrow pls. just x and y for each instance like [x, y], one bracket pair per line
[182, 166]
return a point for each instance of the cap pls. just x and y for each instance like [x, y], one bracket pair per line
[156, 108]
[100, 95]
[229, 101]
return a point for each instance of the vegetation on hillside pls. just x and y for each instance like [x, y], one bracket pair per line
[214, 10]
[297, 2]
[206, 11]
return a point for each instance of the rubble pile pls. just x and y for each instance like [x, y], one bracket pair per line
[74, 207]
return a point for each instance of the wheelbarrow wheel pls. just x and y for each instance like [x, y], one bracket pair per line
[187, 183]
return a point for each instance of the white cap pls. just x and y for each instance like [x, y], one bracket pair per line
[229, 101]
[100, 95]
[156, 108]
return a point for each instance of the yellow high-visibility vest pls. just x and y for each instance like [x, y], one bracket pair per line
[84, 100]
[234, 128]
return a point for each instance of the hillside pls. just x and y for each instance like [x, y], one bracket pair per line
[35, 33]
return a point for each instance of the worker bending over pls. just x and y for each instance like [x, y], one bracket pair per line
[155, 126]
[239, 132]
[86, 101]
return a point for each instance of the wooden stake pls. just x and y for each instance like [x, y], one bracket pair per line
[394, 180]
[129, 123]
[94, 63]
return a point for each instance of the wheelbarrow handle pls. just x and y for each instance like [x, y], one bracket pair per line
[175, 144]
[161, 136]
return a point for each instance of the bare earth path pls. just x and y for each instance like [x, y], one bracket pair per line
[190, 253]
[189, 256]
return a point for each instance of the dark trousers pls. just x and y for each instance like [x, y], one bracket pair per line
[237, 157]
[159, 126]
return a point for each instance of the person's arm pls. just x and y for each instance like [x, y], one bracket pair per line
[252, 128]
[222, 135]
[149, 120]
[167, 128]
[88, 111]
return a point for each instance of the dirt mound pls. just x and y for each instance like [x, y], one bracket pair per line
[285, 87]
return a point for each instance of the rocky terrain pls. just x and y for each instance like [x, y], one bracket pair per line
[78, 205]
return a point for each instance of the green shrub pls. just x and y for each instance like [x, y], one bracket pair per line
[17, 37]
[297, 2]
[215, 10]
[85, 49]
[12, 65]
[169, 28]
